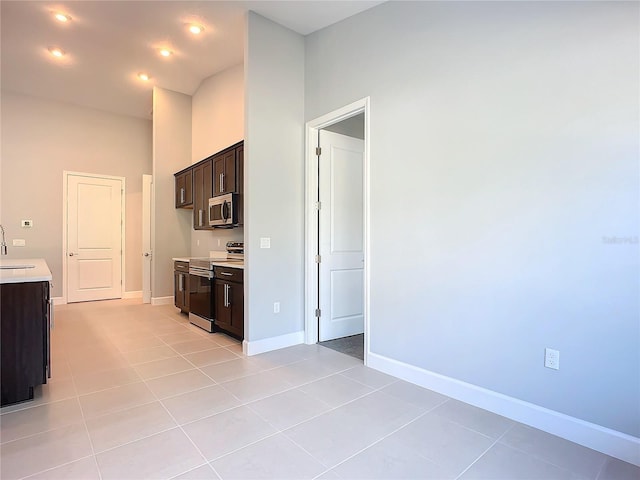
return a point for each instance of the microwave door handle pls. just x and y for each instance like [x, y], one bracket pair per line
[225, 211]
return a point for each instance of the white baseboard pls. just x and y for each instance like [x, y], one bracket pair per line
[162, 300]
[134, 294]
[605, 440]
[273, 343]
[59, 300]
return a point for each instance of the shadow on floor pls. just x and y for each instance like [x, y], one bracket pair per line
[352, 346]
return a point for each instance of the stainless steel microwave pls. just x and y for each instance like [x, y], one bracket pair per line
[223, 210]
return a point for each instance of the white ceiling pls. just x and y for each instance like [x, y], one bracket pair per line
[109, 42]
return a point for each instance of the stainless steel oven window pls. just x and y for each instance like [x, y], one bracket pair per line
[201, 293]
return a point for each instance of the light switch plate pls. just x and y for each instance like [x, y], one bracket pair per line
[265, 242]
[19, 242]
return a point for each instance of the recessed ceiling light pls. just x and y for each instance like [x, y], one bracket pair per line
[165, 52]
[62, 17]
[144, 76]
[195, 28]
[56, 52]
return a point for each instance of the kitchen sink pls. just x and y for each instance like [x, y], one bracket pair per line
[15, 267]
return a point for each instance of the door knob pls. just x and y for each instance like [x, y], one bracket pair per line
[147, 254]
[72, 254]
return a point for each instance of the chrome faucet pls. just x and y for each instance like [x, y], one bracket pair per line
[3, 245]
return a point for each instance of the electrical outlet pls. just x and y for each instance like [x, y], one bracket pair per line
[552, 358]
[265, 242]
[27, 223]
[276, 307]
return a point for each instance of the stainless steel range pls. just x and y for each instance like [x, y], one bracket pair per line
[201, 292]
[201, 308]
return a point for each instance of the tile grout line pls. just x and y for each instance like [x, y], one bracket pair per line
[370, 445]
[184, 432]
[53, 468]
[177, 425]
[84, 422]
[194, 469]
[251, 405]
[92, 455]
[277, 430]
[495, 442]
[86, 429]
[384, 437]
[547, 461]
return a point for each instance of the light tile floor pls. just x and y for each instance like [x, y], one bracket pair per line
[137, 392]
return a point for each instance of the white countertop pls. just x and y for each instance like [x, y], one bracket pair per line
[38, 273]
[216, 263]
[226, 263]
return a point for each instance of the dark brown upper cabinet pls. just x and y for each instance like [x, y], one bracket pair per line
[202, 192]
[218, 174]
[224, 173]
[184, 188]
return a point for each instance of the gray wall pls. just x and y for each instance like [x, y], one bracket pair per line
[41, 139]
[504, 149]
[274, 178]
[171, 235]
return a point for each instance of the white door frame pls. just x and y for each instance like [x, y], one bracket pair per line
[147, 218]
[65, 178]
[311, 224]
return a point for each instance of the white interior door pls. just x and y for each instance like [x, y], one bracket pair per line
[341, 236]
[94, 238]
[147, 254]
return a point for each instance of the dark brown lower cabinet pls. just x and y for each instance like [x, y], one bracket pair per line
[25, 321]
[229, 300]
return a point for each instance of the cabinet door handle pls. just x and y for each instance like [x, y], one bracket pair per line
[200, 217]
[180, 283]
[220, 187]
[182, 195]
[226, 295]
[225, 273]
[222, 182]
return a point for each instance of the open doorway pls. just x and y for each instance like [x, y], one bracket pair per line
[337, 231]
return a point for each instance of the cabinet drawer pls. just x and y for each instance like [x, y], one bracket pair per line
[228, 274]
[179, 266]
